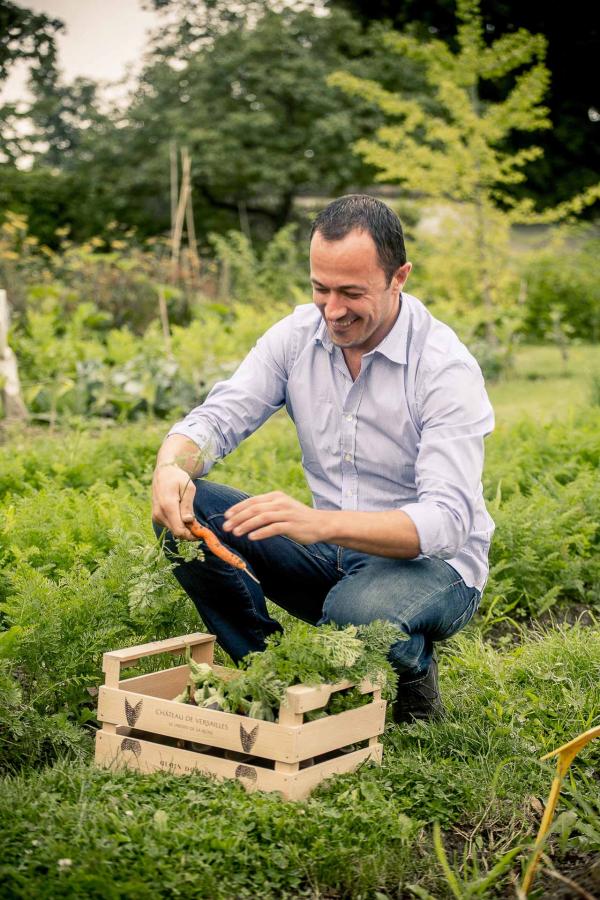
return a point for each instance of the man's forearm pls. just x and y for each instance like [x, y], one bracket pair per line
[389, 533]
[183, 452]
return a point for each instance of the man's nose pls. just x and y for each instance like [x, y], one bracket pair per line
[336, 306]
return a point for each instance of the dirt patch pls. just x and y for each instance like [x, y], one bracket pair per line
[574, 613]
[583, 870]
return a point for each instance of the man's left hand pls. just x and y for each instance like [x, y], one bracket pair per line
[267, 515]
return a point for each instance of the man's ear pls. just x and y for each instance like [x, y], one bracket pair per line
[401, 275]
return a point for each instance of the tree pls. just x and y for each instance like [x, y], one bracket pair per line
[251, 103]
[571, 149]
[460, 154]
[244, 89]
[24, 36]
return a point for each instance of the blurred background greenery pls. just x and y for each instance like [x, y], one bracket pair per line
[146, 242]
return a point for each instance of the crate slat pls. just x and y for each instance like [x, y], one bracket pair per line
[309, 779]
[193, 723]
[166, 684]
[169, 645]
[348, 727]
[116, 751]
[301, 698]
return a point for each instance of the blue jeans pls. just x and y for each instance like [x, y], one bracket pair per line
[318, 583]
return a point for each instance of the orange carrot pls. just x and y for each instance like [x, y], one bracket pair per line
[213, 543]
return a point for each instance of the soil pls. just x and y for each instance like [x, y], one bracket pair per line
[581, 613]
[582, 869]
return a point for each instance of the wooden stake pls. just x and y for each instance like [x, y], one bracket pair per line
[180, 213]
[174, 185]
[164, 321]
[189, 224]
[244, 221]
[10, 388]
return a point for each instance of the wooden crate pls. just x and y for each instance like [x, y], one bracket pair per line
[144, 729]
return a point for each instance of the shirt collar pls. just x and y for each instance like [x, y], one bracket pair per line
[393, 346]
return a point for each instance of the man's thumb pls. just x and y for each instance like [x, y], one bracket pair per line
[186, 504]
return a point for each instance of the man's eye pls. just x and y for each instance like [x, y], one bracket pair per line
[353, 296]
[320, 290]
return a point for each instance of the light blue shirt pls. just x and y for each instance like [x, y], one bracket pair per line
[407, 434]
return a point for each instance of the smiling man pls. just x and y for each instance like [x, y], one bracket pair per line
[391, 413]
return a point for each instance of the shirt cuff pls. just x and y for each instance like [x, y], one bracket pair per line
[203, 440]
[428, 520]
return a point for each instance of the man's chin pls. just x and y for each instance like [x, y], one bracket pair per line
[352, 339]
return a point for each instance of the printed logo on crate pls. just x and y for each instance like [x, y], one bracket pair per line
[246, 772]
[248, 738]
[132, 713]
[182, 719]
[134, 746]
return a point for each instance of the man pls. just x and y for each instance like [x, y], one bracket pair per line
[391, 412]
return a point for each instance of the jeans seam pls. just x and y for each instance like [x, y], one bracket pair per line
[470, 604]
[429, 597]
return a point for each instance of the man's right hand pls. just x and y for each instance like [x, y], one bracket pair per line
[173, 489]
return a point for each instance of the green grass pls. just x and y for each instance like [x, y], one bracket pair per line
[79, 575]
[542, 387]
[128, 836]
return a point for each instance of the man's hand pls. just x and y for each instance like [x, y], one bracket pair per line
[267, 515]
[179, 461]
[173, 493]
[388, 533]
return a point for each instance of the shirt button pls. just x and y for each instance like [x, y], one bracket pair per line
[347, 457]
[349, 418]
[348, 493]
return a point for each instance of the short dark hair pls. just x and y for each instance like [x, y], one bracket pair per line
[365, 213]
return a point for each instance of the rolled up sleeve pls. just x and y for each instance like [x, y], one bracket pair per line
[456, 415]
[235, 408]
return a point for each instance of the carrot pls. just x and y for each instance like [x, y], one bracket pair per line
[213, 543]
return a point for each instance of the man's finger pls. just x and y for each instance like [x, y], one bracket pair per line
[170, 515]
[251, 514]
[179, 531]
[258, 521]
[251, 501]
[269, 531]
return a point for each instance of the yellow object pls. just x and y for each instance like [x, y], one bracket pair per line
[566, 754]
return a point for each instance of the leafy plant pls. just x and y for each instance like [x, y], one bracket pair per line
[28, 738]
[464, 888]
[302, 654]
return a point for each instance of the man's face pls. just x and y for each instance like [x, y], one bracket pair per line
[350, 289]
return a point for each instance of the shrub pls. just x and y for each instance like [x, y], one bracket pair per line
[562, 287]
[28, 738]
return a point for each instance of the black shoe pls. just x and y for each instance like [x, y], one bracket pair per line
[419, 699]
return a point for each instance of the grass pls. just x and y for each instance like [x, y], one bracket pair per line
[69, 830]
[476, 773]
[543, 387]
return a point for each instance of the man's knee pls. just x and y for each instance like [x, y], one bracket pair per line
[345, 605]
